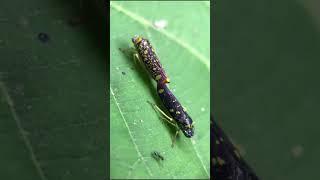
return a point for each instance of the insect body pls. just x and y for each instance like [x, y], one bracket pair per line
[150, 59]
[157, 156]
[179, 117]
[177, 112]
[226, 160]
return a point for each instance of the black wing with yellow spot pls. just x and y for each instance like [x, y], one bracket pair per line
[226, 162]
[176, 111]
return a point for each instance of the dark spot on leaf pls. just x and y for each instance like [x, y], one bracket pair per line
[43, 37]
[123, 73]
[122, 50]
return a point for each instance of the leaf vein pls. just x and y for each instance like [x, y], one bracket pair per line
[21, 131]
[200, 158]
[130, 132]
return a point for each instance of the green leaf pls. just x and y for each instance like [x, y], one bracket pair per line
[52, 94]
[136, 128]
[266, 84]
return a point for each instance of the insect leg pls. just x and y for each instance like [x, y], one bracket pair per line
[166, 117]
[131, 52]
[169, 120]
[127, 51]
[136, 57]
[174, 138]
[177, 131]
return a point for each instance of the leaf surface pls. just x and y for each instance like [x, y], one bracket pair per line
[136, 129]
[52, 92]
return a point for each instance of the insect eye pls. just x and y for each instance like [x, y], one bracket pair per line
[137, 39]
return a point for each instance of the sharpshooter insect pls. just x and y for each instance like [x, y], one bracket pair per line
[178, 115]
[226, 162]
[150, 59]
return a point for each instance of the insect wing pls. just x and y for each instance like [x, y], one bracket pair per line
[226, 161]
[175, 109]
[150, 59]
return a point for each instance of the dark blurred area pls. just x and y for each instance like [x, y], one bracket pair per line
[265, 84]
[226, 161]
[53, 76]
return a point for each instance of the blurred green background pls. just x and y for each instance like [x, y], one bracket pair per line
[52, 94]
[180, 34]
[266, 90]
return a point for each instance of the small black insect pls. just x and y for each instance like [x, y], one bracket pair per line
[150, 59]
[226, 162]
[157, 156]
[178, 115]
[43, 37]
